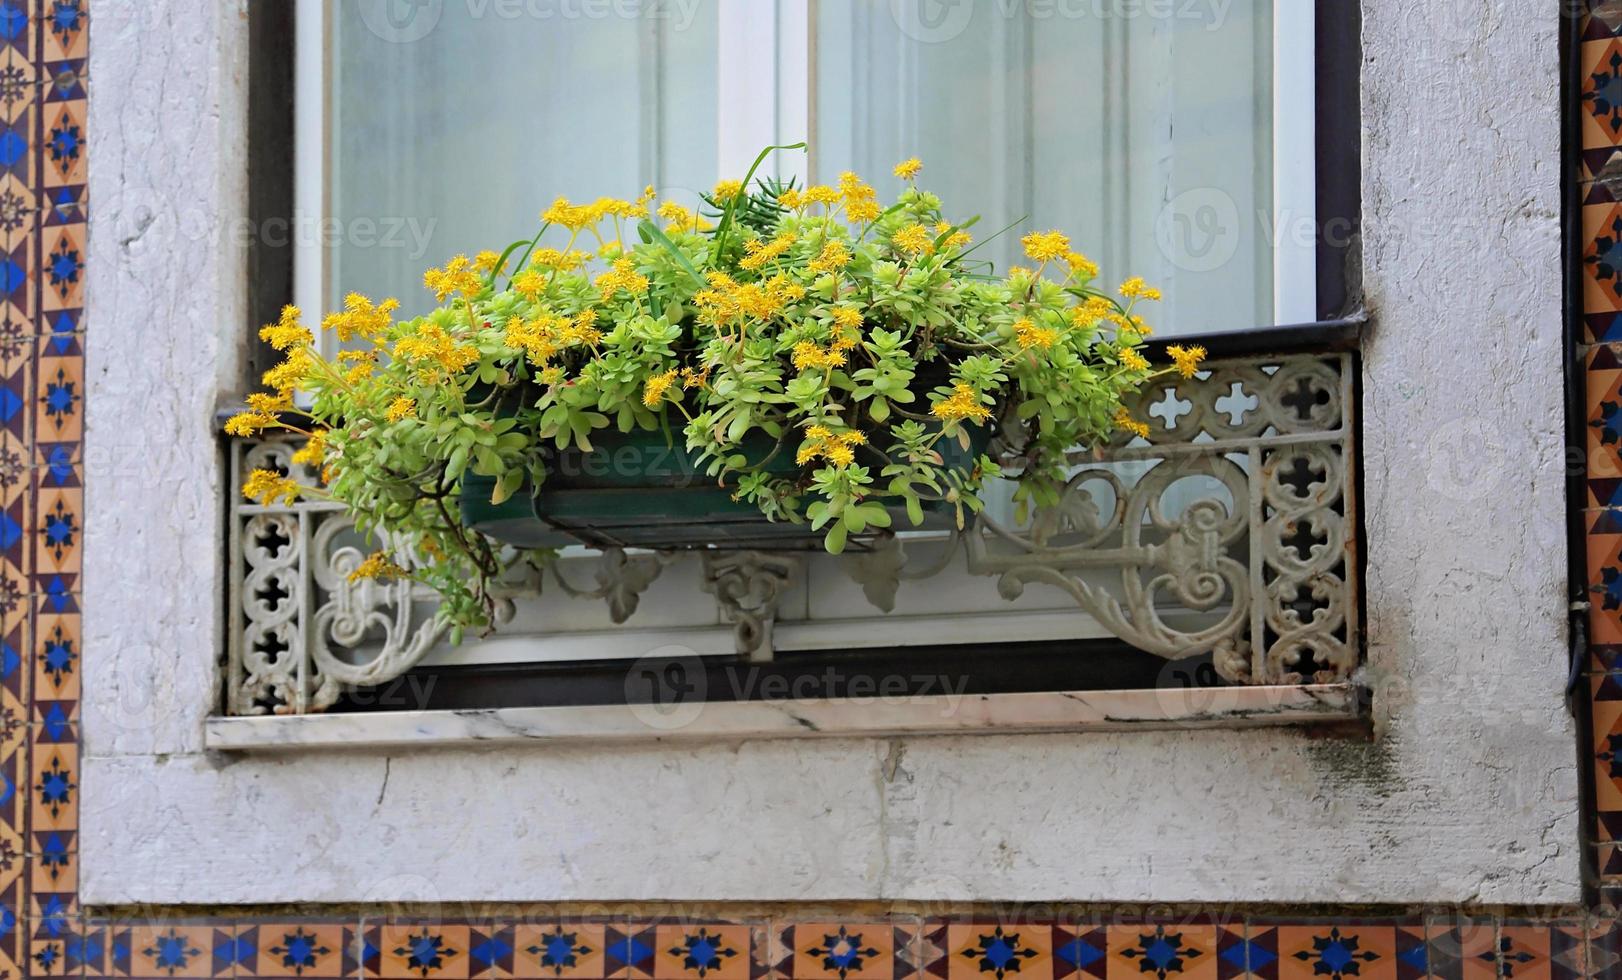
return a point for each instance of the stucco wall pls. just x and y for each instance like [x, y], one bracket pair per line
[1468, 794]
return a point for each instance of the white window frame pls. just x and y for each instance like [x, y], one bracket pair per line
[766, 90]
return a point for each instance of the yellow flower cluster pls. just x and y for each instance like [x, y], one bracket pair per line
[1029, 335]
[457, 276]
[677, 217]
[578, 216]
[377, 565]
[822, 442]
[727, 300]
[622, 275]
[1081, 265]
[1134, 288]
[542, 337]
[654, 391]
[963, 403]
[268, 486]
[1124, 420]
[430, 348]
[758, 253]
[861, 200]
[1187, 359]
[957, 239]
[558, 260]
[1046, 246]
[401, 408]
[914, 239]
[314, 451]
[360, 318]
[287, 332]
[263, 408]
[908, 168]
[726, 190]
[833, 257]
[1132, 360]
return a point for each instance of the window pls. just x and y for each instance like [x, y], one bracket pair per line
[1179, 140]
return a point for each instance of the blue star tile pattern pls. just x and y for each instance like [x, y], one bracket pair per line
[702, 951]
[297, 951]
[171, 952]
[843, 952]
[1336, 956]
[998, 953]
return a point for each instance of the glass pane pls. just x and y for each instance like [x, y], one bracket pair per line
[456, 140]
[1146, 138]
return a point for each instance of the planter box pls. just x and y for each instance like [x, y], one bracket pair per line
[636, 490]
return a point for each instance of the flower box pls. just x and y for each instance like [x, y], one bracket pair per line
[639, 489]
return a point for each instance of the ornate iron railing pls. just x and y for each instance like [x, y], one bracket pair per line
[1233, 532]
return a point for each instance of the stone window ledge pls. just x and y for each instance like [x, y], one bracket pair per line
[987, 714]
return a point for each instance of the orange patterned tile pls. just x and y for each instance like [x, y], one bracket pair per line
[709, 952]
[1163, 951]
[312, 950]
[562, 950]
[842, 950]
[423, 950]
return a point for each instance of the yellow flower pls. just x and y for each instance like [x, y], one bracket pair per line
[759, 253]
[1134, 288]
[1030, 335]
[287, 332]
[963, 403]
[792, 198]
[846, 317]
[1046, 246]
[862, 210]
[913, 240]
[577, 216]
[360, 318]
[486, 261]
[244, 424]
[1186, 359]
[551, 258]
[1132, 360]
[377, 566]
[432, 345]
[677, 217]
[908, 168]
[694, 379]
[656, 387]
[458, 276]
[822, 194]
[289, 374]
[1124, 419]
[1090, 312]
[838, 449]
[1081, 265]
[726, 190]
[834, 256]
[622, 275]
[550, 376]
[312, 453]
[401, 408]
[529, 284]
[808, 356]
[268, 486]
[957, 239]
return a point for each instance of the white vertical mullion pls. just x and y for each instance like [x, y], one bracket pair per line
[746, 84]
[793, 86]
[1295, 162]
[310, 99]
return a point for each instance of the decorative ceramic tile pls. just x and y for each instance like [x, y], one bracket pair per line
[1601, 92]
[1162, 951]
[422, 950]
[316, 949]
[53, 787]
[63, 254]
[169, 950]
[566, 949]
[65, 34]
[1463, 949]
[56, 657]
[59, 412]
[844, 950]
[704, 951]
[64, 142]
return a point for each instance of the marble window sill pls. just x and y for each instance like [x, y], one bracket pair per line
[989, 714]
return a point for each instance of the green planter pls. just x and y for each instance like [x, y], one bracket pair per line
[636, 491]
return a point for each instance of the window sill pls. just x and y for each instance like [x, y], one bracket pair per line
[986, 714]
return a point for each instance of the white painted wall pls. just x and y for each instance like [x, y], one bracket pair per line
[1469, 793]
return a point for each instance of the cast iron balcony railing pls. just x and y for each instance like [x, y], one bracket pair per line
[1231, 532]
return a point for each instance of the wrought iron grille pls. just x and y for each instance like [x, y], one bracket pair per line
[1232, 531]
